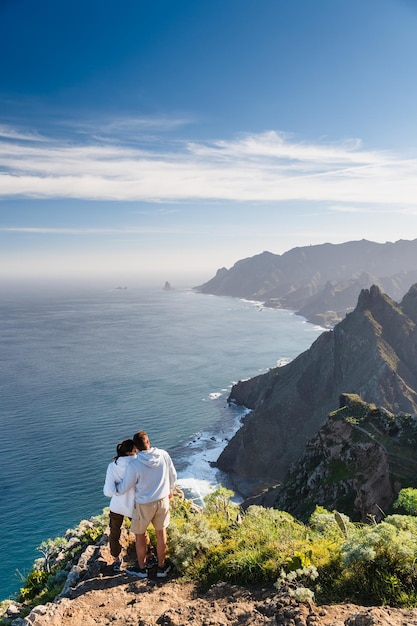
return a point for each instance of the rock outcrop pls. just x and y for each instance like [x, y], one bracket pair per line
[356, 463]
[372, 353]
[322, 282]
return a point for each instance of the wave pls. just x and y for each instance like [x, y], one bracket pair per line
[195, 461]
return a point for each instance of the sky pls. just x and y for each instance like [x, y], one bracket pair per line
[152, 140]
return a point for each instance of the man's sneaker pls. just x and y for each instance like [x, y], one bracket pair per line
[162, 572]
[117, 565]
[139, 572]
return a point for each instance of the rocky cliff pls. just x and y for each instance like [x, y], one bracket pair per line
[321, 282]
[372, 353]
[356, 463]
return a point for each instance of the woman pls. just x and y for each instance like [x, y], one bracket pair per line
[121, 506]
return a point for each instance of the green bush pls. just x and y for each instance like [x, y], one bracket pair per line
[188, 541]
[34, 584]
[254, 547]
[407, 501]
[379, 564]
[220, 509]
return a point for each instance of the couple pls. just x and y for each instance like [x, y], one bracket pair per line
[140, 481]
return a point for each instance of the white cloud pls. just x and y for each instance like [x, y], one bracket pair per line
[266, 167]
[45, 230]
[126, 126]
[7, 132]
[374, 210]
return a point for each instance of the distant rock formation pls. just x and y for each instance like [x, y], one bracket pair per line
[168, 287]
[371, 353]
[322, 282]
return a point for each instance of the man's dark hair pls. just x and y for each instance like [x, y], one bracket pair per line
[141, 440]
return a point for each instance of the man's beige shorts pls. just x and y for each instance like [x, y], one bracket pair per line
[155, 513]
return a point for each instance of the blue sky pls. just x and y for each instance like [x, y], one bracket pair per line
[144, 141]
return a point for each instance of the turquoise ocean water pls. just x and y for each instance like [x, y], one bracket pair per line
[81, 371]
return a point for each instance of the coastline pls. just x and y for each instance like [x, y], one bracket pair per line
[198, 472]
[196, 458]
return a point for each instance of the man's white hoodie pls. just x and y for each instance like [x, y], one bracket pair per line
[122, 504]
[152, 474]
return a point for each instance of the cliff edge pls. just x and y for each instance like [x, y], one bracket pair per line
[100, 598]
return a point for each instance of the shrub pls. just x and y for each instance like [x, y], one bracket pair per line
[188, 540]
[297, 583]
[379, 564]
[34, 584]
[255, 549]
[219, 508]
[407, 501]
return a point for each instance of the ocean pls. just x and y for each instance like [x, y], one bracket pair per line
[81, 370]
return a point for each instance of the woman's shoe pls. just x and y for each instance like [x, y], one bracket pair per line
[117, 565]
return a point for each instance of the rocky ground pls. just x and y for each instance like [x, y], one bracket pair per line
[95, 596]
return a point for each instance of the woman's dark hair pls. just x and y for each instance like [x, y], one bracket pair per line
[124, 448]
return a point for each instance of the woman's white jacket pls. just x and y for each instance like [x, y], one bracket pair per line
[123, 503]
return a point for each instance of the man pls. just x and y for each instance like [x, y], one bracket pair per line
[153, 475]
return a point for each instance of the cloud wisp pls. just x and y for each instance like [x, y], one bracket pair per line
[129, 230]
[265, 167]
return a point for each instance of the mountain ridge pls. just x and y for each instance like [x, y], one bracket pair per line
[320, 282]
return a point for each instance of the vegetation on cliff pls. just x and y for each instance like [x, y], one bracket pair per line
[329, 558]
[50, 572]
[357, 463]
